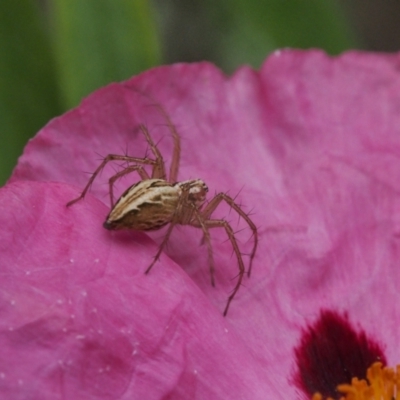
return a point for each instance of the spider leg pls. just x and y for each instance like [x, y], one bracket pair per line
[140, 170]
[160, 249]
[214, 203]
[207, 239]
[158, 166]
[221, 223]
[110, 157]
[175, 220]
[176, 154]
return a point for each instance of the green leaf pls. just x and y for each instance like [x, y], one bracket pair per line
[28, 95]
[100, 41]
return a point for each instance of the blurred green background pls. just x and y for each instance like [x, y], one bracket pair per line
[55, 52]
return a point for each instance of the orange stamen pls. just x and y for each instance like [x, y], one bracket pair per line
[383, 383]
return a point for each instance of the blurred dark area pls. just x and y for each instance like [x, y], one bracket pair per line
[376, 23]
[56, 52]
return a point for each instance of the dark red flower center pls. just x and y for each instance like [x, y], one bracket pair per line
[332, 352]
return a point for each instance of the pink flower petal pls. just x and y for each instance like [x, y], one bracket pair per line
[312, 144]
[79, 319]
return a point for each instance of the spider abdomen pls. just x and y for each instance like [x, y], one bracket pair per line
[147, 205]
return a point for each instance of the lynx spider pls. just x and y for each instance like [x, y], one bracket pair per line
[157, 200]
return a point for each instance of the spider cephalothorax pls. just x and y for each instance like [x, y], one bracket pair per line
[156, 201]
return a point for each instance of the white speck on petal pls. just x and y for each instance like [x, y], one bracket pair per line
[195, 371]
[84, 293]
[12, 302]
[2, 375]
[27, 272]
[135, 351]
[72, 316]
[60, 301]
[71, 260]
[96, 260]
[80, 337]
[20, 381]
[94, 310]
[226, 330]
